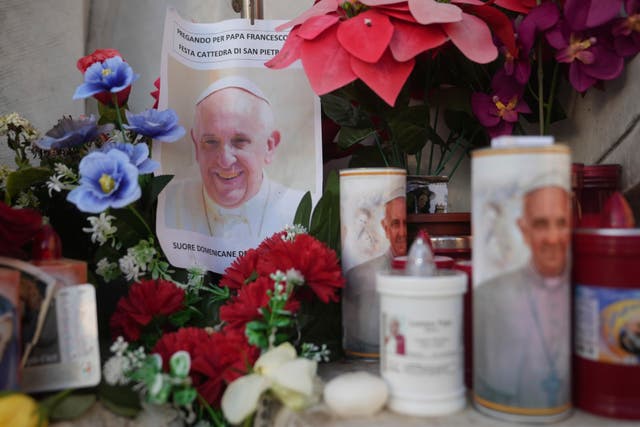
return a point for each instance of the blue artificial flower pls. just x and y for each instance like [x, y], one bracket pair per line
[71, 133]
[106, 180]
[112, 75]
[138, 155]
[160, 125]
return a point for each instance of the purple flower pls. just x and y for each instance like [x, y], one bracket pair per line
[71, 133]
[106, 180]
[499, 111]
[585, 14]
[112, 75]
[627, 30]
[590, 54]
[160, 125]
[540, 19]
[138, 155]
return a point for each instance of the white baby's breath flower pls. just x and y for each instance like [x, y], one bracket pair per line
[291, 231]
[54, 184]
[27, 199]
[119, 346]
[294, 277]
[115, 370]
[64, 171]
[129, 267]
[101, 228]
[107, 270]
[15, 120]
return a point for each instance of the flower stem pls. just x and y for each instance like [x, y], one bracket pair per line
[540, 91]
[141, 219]
[552, 92]
[377, 139]
[114, 97]
[214, 417]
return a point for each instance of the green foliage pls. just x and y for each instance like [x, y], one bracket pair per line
[323, 222]
[23, 179]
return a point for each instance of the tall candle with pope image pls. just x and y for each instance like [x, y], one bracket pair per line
[373, 232]
[521, 215]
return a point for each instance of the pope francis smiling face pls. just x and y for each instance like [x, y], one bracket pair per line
[234, 139]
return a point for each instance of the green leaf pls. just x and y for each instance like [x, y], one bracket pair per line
[108, 114]
[303, 213]
[22, 179]
[119, 399]
[158, 183]
[256, 325]
[368, 156]
[348, 136]
[184, 397]
[180, 318]
[340, 110]
[410, 138]
[72, 406]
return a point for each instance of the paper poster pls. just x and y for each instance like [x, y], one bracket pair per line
[252, 146]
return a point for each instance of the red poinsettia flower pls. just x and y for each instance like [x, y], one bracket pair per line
[146, 300]
[245, 306]
[220, 359]
[17, 227]
[241, 271]
[377, 41]
[100, 55]
[185, 339]
[313, 259]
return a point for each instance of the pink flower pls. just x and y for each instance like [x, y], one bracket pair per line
[377, 41]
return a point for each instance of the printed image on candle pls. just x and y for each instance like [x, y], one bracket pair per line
[394, 340]
[521, 301]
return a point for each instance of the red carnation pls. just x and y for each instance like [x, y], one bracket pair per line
[245, 307]
[312, 258]
[17, 227]
[100, 55]
[220, 359]
[185, 339]
[236, 275]
[146, 300]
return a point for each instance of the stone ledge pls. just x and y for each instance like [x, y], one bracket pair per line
[319, 416]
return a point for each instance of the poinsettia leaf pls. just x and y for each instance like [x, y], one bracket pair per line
[72, 407]
[348, 136]
[343, 112]
[368, 156]
[22, 179]
[303, 213]
[409, 137]
[452, 98]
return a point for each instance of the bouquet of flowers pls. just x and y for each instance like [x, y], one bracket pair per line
[178, 337]
[404, 74]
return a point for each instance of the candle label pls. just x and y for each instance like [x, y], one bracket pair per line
[72, 356]
[425, 345]
[607, 324]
